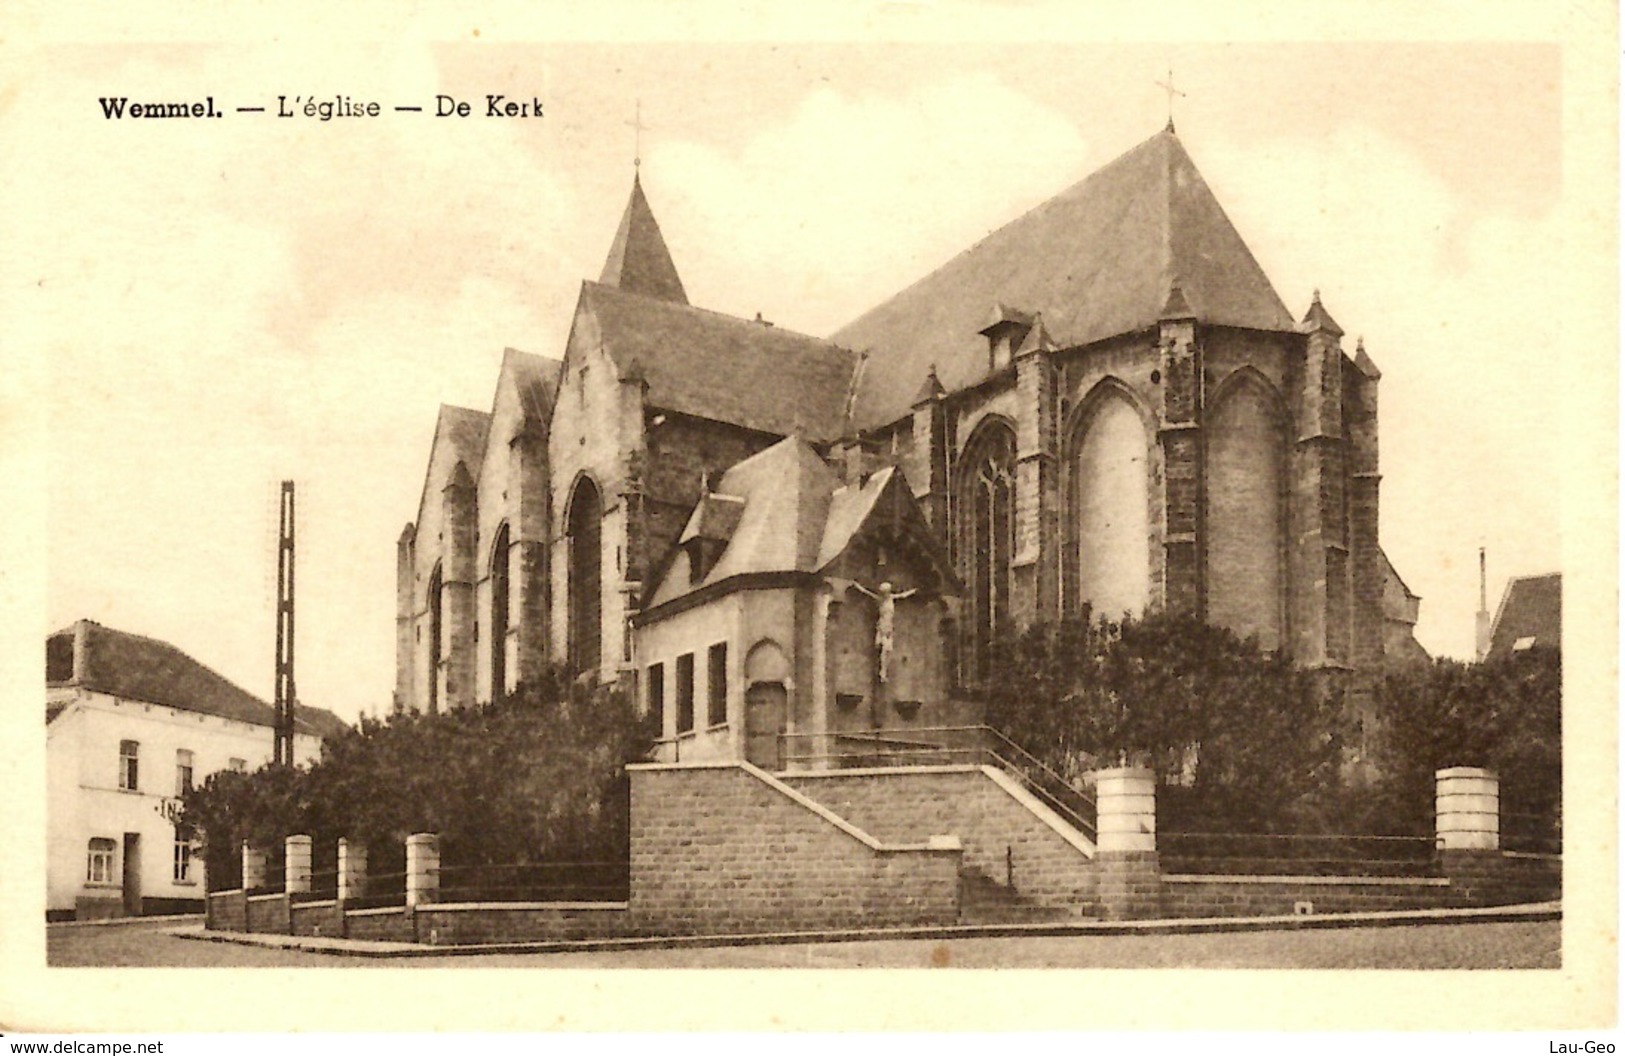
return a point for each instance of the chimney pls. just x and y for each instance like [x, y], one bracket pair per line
[1482, 639]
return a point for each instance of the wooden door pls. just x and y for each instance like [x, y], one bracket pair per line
[764, 725]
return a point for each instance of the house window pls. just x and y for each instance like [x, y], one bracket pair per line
[685, 693]
[237, 766]
[183, 855]
[99, 864]
[656, 698]
[183, 772]
[129, 765]
[716, 685]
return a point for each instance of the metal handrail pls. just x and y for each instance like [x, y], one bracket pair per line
[889, 738]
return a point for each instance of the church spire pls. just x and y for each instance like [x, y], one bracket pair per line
[638, 260]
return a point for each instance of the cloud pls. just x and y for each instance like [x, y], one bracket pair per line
[1459, 307]
[855, 196]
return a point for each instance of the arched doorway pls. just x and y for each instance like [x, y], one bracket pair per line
[767, 705]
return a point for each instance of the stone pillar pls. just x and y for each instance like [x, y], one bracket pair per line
[1321, 575]
[1468, 827]
[927, 469]
[253, 867]
[352, 870]
[1036, 563]
[1368, 570]
[460, 525]
[528, 470]
[405, 581]
[296, 865]
[422, 868]
[1126, 843]
[1180, 436]
[1468, 809]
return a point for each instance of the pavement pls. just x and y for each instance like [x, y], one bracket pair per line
[1529, 913]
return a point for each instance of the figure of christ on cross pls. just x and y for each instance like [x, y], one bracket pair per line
[885, 623]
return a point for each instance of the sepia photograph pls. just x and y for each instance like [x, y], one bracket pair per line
[872, 498]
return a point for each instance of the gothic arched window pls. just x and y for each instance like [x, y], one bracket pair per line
[499, 613]
[436, 592]
[985, 537]
[586, 576]
[1246, 510]
[1108, 549]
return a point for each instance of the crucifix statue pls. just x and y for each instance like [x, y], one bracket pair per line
[885, 623]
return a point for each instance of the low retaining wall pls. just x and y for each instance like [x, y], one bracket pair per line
[226, 911]
[724, 849]
[316, 918]
[452, 924]
[1496, 878]
[1268, 896]
[390, 924]
[268, 914]
[1049, 860]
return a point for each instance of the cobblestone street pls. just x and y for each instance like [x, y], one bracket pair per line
[1433, 946]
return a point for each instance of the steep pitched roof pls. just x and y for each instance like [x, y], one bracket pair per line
[720, 367]
[459, 437]
[135, 667]
[1097, 260]
[535, 377]
[795, 515]
[638, 260]
[1531, 614]
[787, 491]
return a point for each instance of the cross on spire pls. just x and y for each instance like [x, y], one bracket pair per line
[1168, 86]
[638, 128]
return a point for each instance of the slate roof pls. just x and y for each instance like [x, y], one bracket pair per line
[1098, 260]
[536, 378]
[787, 491]
[1531, 611]
[463, 430]
[134, 667]
[716, 366]
[796, 516]
[638, 260]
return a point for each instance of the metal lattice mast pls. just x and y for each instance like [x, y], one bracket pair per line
[285, 695]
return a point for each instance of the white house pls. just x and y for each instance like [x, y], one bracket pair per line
[130, 723]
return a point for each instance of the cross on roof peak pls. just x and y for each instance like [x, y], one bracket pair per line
[638, 128]
[1168, 86]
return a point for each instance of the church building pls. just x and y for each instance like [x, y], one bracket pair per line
[1102, 408]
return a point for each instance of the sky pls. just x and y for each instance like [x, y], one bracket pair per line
[221, 304]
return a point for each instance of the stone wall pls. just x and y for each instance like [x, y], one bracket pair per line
[1259, 896]
[323, 918]
[388, 925]
[728, 849]
[226, 911]
[910, 806]
[267, 914]
[1495, 878]
[450, 924]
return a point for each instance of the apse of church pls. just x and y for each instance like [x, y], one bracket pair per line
[1102, 407]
